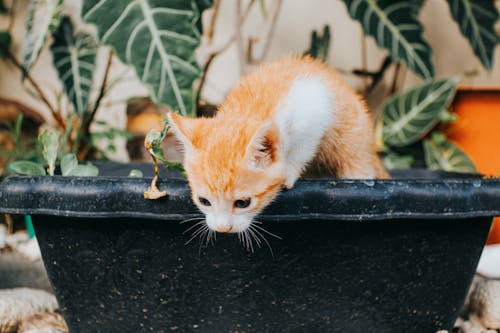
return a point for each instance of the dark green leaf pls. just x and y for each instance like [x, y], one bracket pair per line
[74, 58]
[410, 115]
[447, 156]
[320, 44]
[202, 5]
[395, 27]
[5, 42]
[158, 38]
[44, 16]
[3, 8]
[26, 168]
[17, 127]
[476, 19]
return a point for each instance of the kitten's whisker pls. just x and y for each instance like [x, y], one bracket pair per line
[209, 237]
[252, 233]
[194, 225]
[204, 235]
[267, 232]
[263, 238]
[193, 219]
[249, 238]
[196, 233]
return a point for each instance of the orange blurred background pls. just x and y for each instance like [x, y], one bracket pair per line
[477, 132]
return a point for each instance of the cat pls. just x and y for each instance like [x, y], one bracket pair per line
[287, 118]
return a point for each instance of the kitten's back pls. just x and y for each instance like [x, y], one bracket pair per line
[346, 148]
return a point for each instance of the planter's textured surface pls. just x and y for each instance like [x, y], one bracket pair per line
[354, 256]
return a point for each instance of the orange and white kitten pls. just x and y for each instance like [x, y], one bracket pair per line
[283, 119]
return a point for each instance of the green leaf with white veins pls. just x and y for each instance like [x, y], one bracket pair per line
[44, 16]
[157, 37]
[74, 57]
[476, 19]
[447, 156]
[395, 27]
[410, 115]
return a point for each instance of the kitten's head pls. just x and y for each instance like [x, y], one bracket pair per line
[234, 170]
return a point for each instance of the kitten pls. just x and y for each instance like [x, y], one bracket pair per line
[285, 118]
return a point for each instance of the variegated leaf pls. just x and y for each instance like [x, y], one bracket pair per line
[476, 20]
[74, 57]
[320, 44]
[158, 38]
[410, 115]
[447, 156]
[44, 16]
[394, 25]
[202, 5]
[26, 168]
[50, 147]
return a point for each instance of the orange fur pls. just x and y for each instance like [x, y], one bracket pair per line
[217, 149]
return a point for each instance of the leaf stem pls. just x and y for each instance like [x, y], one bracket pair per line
[57, 117]
[84, 130]
[102, 91]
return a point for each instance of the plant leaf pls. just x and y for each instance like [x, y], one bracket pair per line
[26, 168]
[395, 27]
[136, 173]
[50, 145]
[158, 39]
[44, 16]
[5, 41]
[68, 164]
[17, 127]
[410, 115]
[74, 58]
[476, 20]
[202, 5]
[87, 170]
[320, 44]
[397, 161]
[447, 156]
[3, 8]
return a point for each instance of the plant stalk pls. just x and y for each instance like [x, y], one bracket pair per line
[57, 117]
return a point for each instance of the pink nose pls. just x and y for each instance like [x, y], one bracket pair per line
[224, 228]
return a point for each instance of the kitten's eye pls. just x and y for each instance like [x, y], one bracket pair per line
[204, 201]
[242, 203]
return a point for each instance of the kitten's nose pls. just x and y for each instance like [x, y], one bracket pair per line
[224, 227]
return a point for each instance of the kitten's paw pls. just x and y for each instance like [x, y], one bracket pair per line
[289, 184]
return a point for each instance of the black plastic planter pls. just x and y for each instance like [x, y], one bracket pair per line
[354, 256]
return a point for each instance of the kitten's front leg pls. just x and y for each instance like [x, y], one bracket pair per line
[292, 175]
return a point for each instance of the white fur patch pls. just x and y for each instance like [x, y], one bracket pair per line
[303, 117]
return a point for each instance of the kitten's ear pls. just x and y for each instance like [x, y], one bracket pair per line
[263, 148]
[183, 128]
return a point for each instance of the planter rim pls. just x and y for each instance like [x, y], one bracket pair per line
[318, 199]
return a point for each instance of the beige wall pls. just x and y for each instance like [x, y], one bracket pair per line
[452, 54]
